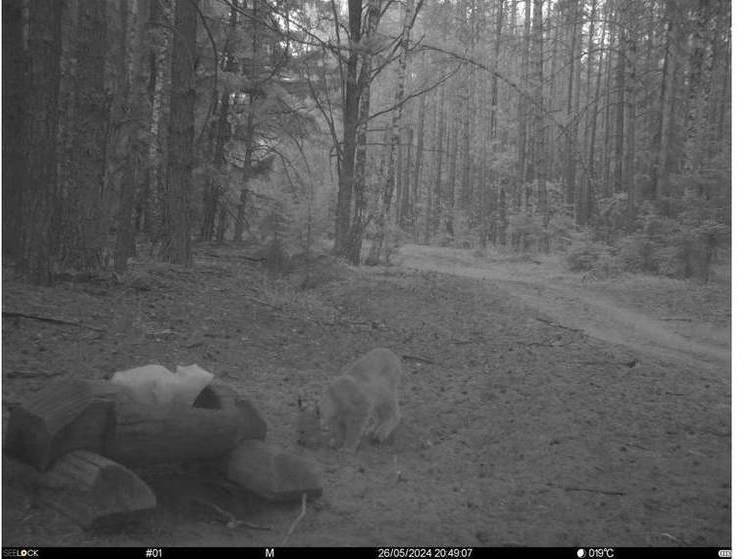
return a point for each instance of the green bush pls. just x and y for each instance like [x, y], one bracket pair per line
[584, 257]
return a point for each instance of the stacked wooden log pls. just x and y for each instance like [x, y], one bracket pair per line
[81, 442]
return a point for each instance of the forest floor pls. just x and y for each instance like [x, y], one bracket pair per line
[538, 408]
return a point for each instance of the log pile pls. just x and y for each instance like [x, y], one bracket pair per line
[82, 443]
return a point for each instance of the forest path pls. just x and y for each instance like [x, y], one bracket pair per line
[543, 286]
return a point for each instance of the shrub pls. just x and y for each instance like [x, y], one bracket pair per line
[584, 257]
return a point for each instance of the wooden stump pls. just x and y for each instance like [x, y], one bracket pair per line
[64, 416]
[86, 487]
[271, 473]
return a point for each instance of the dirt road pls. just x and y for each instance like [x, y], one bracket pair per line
[578, 306]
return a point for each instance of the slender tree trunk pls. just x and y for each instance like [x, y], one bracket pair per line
[538, 121]
[405, 156]
[134, 25]
[451, 187]
[162, 11]
[666, 98]
[440, 154]
[389, 187]
[608, 124]
[571, 138]
[630, 114]
[522, 103]
[349, 137]
[221, 201]
[466, 186]
[177, 238]
[418, 160]
[554, 102]
[621, 88]
[591, 173]
[697, 94]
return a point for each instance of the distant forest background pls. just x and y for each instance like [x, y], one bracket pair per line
[600, 128]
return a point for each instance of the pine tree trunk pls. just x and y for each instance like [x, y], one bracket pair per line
[697, 97]
[349, 137]
[440, 154]
[39, 138]
[162, 11]
[666, 98]
[608, 124]
[451, 185]
[177, 240]
[538, 121]
[82, 236]
[630, 116]
[591, 172]
[418, 162]
[621, 88]
[571, 137]
[134, 26]
[522, 103]
[15, 91]
[359, 216]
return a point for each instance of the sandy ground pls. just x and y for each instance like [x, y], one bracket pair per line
[538, 408]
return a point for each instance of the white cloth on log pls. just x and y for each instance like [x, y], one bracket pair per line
[157, 386]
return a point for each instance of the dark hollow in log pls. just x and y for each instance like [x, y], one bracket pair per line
[218, 395]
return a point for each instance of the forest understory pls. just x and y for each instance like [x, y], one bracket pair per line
[530, 417]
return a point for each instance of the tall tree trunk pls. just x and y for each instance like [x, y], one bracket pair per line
[405, 157]
[374, 256]
[359, 216]
[15, 91]
[134, 26]
[451, 185]
[82, 237]
[211, 187]
[40, 139]
[621, 88]
[699, 89]
[523, 105]
[418, 160]
[608, 124]
[440, 154]
[571, 118]
[177, 238]
[538, 120]
[349, 137]
[587, 212]
[630, 112]
[666, 100]
[162, 11]
[221, 201]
